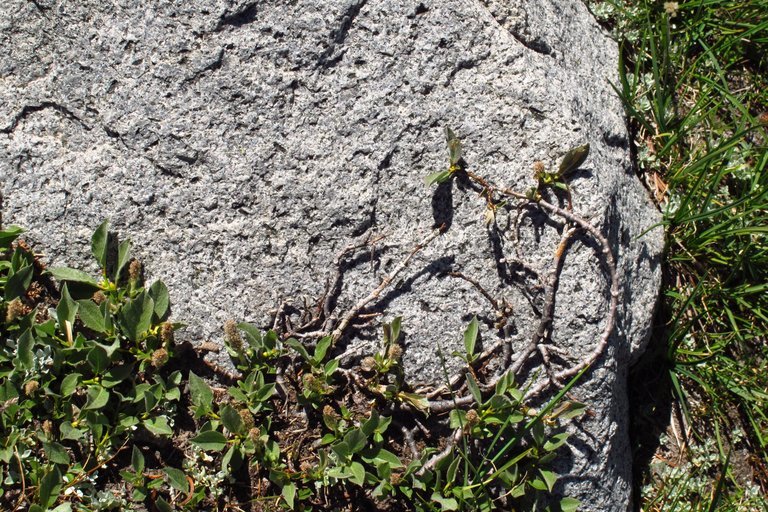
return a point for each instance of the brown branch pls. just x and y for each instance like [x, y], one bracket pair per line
[549, 305]
[544, 325]
[435, 459]
[478, 287]
[23, 491]
[610, 263]
[337, 333]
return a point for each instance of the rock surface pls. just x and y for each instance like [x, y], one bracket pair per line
[242, 144]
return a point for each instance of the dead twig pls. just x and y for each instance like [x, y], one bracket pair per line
[337, 333]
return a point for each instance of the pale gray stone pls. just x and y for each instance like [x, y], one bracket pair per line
[242, 144]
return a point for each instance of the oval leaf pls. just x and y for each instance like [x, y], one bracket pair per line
[123, 255]
[210, 440]
[69, 384]
[178, 479]
[17, 284]
[73, 275]
[98, 397]
[136, 316]
[99, 243]
[573, 159]
[470, 337]
[91, 315]
[231, 419]
[159, 293]
[98, 359]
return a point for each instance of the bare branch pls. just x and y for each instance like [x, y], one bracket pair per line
[385, 283]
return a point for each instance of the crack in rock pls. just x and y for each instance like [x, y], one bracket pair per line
[27, 110]
[339, 36]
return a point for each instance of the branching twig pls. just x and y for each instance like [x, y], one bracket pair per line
[549, 305]
[23, 491]
[385, 283]
[335, 287]
[435, 459]
[536, 338]
[478, 287]
[546, 320]
[610, 263]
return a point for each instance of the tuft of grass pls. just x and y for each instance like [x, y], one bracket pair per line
[693, 79]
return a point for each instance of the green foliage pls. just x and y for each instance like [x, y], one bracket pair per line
[81, 372]
[87, 398]
[568, 165]
[693, 82]
[454, 160]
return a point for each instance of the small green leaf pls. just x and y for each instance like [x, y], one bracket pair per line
[445, 503]
[231, 419]
[470, 337]
[322, 349]
[68, 432]
[298, 347]
[98, 359]
[436, 178]
[342, 450]
[474, 389]
[21, 259]
[355, 439]
[50, 485]
[569, 505]
[64, 274]
[123, 256]
[136, 316]
[158, 426]
[358, 473]
[137, 460]
[17, 284]
[457, 418]
[569, 410]
[252, 334]
[454, 146]
[98, 396]
[289, 494]
[210, 440]
[99, 243]
[67, 308]
[8, 235]
[572, 160]
[159, 293]
[200, 392]
[162, 505]
[450, 475]
[116, 375]
[331, 367]
[233, 459]
[556, 441]
[370, 425]
[395, 328]
[549, 478]
[416, 400]
[91, 315]
[392, 460]
[177, 478]
[69, 384]
[24, 353]
[56, 453]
